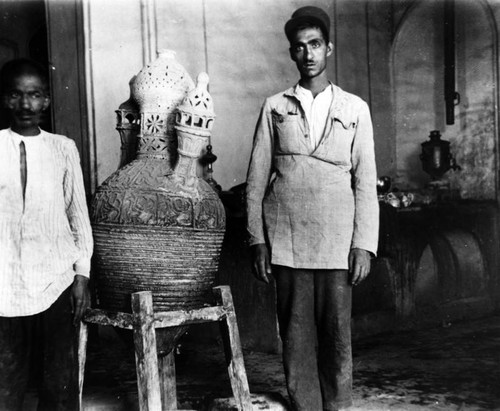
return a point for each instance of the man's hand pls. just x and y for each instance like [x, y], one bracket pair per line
[80, 297]
[260, 262]
[359, 265]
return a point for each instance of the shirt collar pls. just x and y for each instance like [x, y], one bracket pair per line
[339, 99]
[292, 91]
[301, 91]
[18, 137]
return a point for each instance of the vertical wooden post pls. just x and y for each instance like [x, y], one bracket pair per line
[146, 359]
[168, 382]
[232, 348]
[82, 357]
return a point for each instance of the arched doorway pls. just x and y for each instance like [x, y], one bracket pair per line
[451, 278]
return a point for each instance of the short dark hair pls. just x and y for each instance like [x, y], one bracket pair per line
[17, 67]
[308, 25]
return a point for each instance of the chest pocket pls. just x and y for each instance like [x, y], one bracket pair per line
[341, 139]
[288, 131]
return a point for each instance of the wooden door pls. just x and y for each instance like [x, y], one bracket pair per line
[68, 83]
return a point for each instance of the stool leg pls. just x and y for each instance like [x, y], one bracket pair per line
[167, 381]
[82, 357]
[146, 359]
[232, 348]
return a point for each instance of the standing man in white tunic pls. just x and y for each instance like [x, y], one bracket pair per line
[45, 248]
[313, 215]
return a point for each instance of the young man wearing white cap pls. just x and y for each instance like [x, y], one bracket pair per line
[313, 215]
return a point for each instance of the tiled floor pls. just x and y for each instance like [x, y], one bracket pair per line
[456, 367]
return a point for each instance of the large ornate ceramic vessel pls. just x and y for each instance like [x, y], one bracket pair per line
[157, 226]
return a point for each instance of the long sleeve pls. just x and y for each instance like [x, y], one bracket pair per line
[259, 173]
[366, 218]
[45, 239]
[77, 212]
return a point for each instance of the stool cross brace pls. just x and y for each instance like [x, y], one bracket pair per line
[156, 374]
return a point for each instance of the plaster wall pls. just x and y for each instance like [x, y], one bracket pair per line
[245, 53]
[115, 54]
[390, 53]
[242, 46]
[419, 97]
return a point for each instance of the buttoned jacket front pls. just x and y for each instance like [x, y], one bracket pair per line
[313, 204]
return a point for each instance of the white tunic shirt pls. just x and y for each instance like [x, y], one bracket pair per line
[316, 110]
[46, 239]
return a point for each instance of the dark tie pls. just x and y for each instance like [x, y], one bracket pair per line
[22, 150]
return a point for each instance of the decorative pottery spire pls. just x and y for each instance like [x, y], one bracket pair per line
[158, 89]
[194, 121]
[196, 113]
[127, 124]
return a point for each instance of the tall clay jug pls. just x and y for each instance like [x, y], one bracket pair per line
[157, 226]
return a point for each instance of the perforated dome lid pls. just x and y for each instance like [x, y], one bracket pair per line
[162, 84]
[197, 109]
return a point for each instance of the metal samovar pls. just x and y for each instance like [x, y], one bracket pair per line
[436, 157]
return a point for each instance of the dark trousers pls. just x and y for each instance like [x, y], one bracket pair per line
[43, 345]
[314, 314]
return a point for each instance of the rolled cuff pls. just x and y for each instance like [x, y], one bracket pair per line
[255, 240]
[82, 267]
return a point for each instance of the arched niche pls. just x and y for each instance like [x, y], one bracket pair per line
[418, 78]
[451, 277]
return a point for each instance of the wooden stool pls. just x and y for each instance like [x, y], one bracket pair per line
[156, 375]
